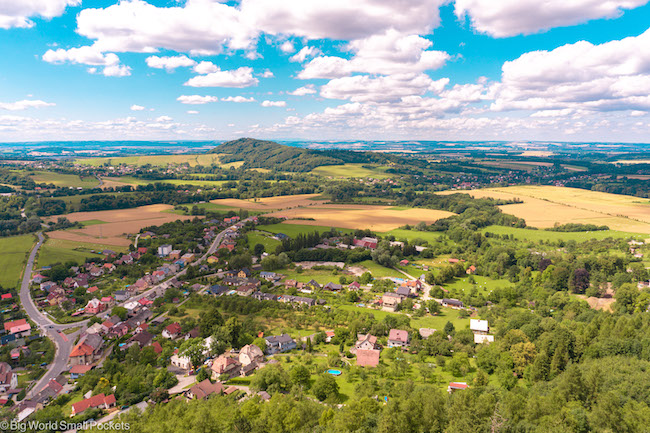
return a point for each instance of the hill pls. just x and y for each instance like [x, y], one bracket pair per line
[268, 154]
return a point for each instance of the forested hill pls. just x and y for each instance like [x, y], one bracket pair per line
[268, 154]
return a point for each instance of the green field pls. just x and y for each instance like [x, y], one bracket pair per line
[61, 251]
[401, 234]
[14, 256]
[435, 322]
[64, 180]
[539, 235]
[157, 160]
[352, 170]
[194, 182]
[292, 230]
[320, 276]
[258, 238]
[92, 222]
[483, 284]
[379, 271]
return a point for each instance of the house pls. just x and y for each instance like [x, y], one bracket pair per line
[76, 371]
[479, 326]
[87, 351]
[100, 400]
[366, 242]
[181, 361]
[265, 396]
[225, 365]
[244, 273]
[269, 276]
[174, 255]
[313, 284]
[414, 286]
[164, 250]
[109, 267]
[108, 301]
[403, 291]
[121, 295]
[213, 259]
[205, 389]
[261, 296]
[279, 343]
[157, 347]
[403, 262]
[217, 290]
[95, 306]
[390, 301]
[141, 285]
[455, 386]
[142, 250]
[18, 328]
[483, 338]
[8, 379]
[5, 296]
[368, 357]
[245, 290]
[250, 354]
[471, 270]
[398, 338]
[92, 289]
[96, 272]
[143, 339]
[332, 287]
[354, 285]
[365, 342]
[172, 331]
[38, 278]
[51, 390]
[453, 303]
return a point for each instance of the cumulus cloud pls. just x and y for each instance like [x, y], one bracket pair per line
[136, 107]
[17, 13]
[196, 99]
[164, 119]
[504, 18]
[205, 67]
[169, 63]
[302, 91]
[363, 88]
[89, 55]
[267, 74]
[237, 99]
[24, 104]
[287, 47]
[304, 53]
[274, 104]
[192, 112]
[241, 77]
[117, 71]
[611, 76]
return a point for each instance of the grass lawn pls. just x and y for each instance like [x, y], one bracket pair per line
[352, 170]
[539, 235]
[428, 321]
[293, 230]
[379, 271]
[64, 180]
[258, 238]
[401, 234]
[483, 284]
[61, 251]
[322, 276]
[14, 256]
[209, 207]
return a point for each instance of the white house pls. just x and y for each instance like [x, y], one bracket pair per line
[479, 326]
[182, 362]
[164, 250]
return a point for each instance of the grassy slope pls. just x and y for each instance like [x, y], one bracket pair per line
[14, 255]
[64, 180]
[351, 170]
[292, 230]
[60, 250]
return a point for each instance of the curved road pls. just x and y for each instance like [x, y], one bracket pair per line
[54, 331]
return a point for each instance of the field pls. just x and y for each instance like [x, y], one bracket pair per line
[64, 180]
[544, 206]
[538, 235]
[378, 218]
[258, 238]
[379, 271]
[292, 230]
[483, 284]
[61, 251]
[13, 258]
[158, 160]
[118, 223]
[352, 170]
[401, 234]
[133, 181]
[272, 203]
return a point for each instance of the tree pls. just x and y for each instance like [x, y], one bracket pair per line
[300, 375]
[579, 282]
[120, 312]
[210, 321]
[258, 249]
[365, 278]
[272, 378]
[325, 387]
[449, 329]
[433, 307]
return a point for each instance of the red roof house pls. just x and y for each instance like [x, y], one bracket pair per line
[99, 400]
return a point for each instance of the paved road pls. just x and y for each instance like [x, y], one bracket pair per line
[54, 331]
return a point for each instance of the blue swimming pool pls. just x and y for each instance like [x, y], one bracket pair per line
[334, 372]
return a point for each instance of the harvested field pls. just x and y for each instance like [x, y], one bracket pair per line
[544, 206]
[118, 224]
[272, 203]
[378, 218]
[598, 303]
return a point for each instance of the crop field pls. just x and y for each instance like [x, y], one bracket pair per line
[352, 170]
[544, 206]
[14, 256]
[64, 180]
[378, 218]
[118, 224]
[539, 235]
[157, 160]
[273, 203]
[61, 251]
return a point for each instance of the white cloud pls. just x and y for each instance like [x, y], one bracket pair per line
[304, 53]
[302, 91]
[205, 67]
[136, 107]
[163, 119]
[196, 99]
[16, 13]
[267, 74]
[24, 104]
[89, 55]
[169, 63]
[387, 53]
[241, 77]
[192, 112]
[341, 19]
[504, 18]
[362, 88]
[238, 99]
[117, 71]
[274, 104]
[611, 76]
[287, 47]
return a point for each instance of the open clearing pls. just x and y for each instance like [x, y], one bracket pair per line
[272, 203]
[118, 224]
[158, 160]
[14, 255]
[544, 206]
[598, 303]
[378, 218]
[64, 180]
[61, 251]
[352, 170]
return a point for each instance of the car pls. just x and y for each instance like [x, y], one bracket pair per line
[126, 406]
[43, 364]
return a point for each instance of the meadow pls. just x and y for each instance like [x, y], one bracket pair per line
[259, 238]
[62, 250]
[409, 235]
[292, 230]
[134, 181]
[13, 258]
[352, 171]
[270, 204]
[544, 235]
[156, 160]
[64, 180]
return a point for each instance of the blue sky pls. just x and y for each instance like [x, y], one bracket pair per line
[565, 70]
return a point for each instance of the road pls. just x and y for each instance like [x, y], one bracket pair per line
[427, 288]
[54, 331]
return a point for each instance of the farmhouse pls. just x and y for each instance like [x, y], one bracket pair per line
[479, 326]
[368, 357]
[398, 338]
[280, 343]
[204, 389]
[455, 386]
[453, 303]
[250, 354]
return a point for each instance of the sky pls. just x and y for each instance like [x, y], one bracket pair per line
[559, 70]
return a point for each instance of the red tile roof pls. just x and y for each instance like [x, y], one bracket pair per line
[9, 325]
[367, 358]
[81, 349]
[94, 401]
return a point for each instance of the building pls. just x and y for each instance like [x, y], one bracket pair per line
[365, 342]
[250, 354]
[455, 386]
[18, 328]
[8, 379]
[76, 371]
[87, 351]
[398, 338]
[481, 339]
[390, 301]
[172, 331]
[100, 400]
[479, 326]
[225, 365]
[182, 362]
[164, 250]
[95, 306]
[205, 389]
[279, 343]
[453, 303]
[368, 357]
